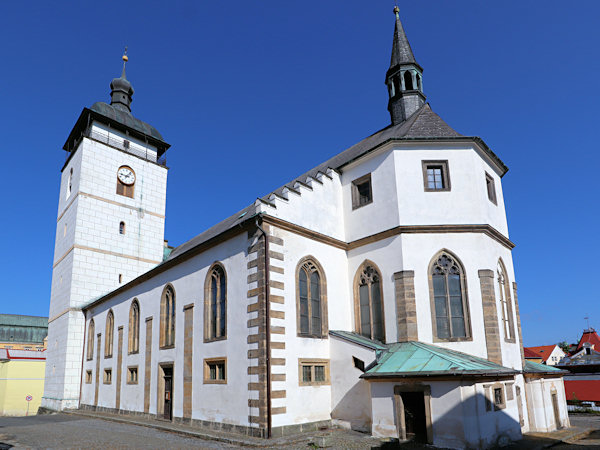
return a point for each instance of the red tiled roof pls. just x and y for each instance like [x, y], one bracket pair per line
[589, 336]
[543, 351]
[584, 390]
[530, 354]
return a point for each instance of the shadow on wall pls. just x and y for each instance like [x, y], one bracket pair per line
[355, 407]
[474, 422]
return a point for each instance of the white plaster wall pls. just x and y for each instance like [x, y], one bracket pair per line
[465, 203]
[382, 213]
[350, 395]
[540, 403]
[458, 414]
[333, 262]
[318, 207]
[223, 403]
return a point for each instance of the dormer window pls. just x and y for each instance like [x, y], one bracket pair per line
[362, 193]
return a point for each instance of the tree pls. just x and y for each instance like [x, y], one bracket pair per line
[564, 346]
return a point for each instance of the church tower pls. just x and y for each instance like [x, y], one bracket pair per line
[404, 78]
[110, 226]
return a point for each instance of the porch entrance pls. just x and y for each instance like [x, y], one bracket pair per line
[413, 413]
[165, 391]
[414, 416]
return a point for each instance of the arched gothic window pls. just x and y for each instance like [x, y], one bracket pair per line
[134, 327]
[311, 299]
[109, 335]
[408, 81]
[90, 340]
[449, 306]
[167, 317]
[506, 303]
[215, 304]
[368, 302]
[122, 228]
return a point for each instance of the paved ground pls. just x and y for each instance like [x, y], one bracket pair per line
[76, 431]
[64, 431]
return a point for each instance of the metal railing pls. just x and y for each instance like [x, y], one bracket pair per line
[124, 145]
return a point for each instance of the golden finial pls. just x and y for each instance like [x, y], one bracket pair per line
[125, 58]
[396, 10]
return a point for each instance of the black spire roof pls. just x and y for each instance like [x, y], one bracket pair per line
[401, 51]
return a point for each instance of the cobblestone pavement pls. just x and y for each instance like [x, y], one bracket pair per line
[592, 440]
[64, 431]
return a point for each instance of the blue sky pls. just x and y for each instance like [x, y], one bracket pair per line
[251, 94]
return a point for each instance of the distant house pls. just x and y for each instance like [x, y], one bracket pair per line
[582, 385]
[549, 354]
[532, 356]
[19, 332]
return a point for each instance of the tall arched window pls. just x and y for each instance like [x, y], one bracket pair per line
[90, 340]
[167, 317]
[368, 302]
[108, 337]
[215, 304]
[311, 299]
[449, 306]
[134, 327]
[505, 303]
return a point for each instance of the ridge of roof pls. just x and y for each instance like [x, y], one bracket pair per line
[358, 339]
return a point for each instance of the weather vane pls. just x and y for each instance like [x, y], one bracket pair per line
[125, 58]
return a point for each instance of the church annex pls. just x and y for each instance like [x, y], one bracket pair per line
[375, 291]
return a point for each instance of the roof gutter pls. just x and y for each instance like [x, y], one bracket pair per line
[386, 375]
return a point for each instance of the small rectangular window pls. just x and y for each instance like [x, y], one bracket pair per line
[215, 371]
[107, 376]
[509, 392]
[359, 363]
[132, 375]
[88, 377]
[436, 176]
[362, 193]
[313, 372]
[491, 188]
[125, 143]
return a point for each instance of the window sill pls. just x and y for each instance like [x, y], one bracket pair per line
[312, 336]
[134, 353]
[438, 190]
[108, 356]
[215, 339]
[317, 384]
[132, 382]
[166, 347]
[465, 339]
[215, 381]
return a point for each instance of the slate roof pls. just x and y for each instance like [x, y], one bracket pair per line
[423, 125]
[401, 51]
[414, 359]
[126, 119]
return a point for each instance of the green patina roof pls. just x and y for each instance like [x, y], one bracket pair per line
[410, 359]
[359, 339]
[16, 328]
[533, 367]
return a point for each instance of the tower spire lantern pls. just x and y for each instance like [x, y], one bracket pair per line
[121, 90]
[404, 78]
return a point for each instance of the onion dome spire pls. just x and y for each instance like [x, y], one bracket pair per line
[121, 90]
[404, 78]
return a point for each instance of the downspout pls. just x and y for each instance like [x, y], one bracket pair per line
[268, 328]
[82, 357]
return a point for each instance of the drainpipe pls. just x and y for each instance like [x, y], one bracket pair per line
[82, 357]
[267, 327]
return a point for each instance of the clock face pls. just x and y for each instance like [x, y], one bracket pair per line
[126, 176]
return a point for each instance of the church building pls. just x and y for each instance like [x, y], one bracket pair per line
[376, 291]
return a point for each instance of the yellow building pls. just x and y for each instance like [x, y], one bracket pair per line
[21, 381]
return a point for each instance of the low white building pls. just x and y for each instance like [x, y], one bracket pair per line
[376, 290]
